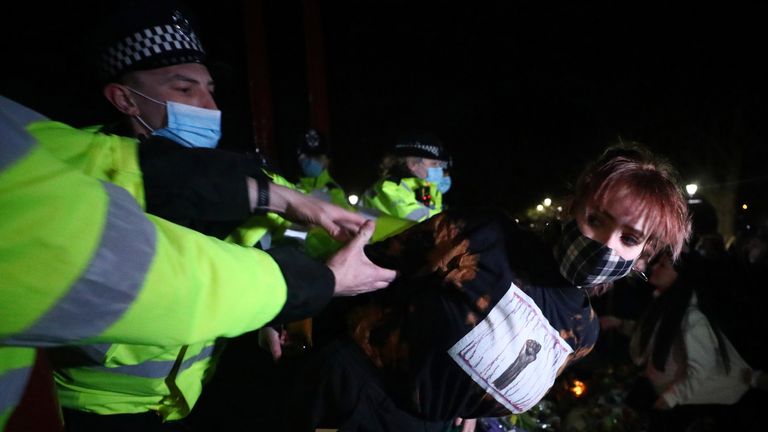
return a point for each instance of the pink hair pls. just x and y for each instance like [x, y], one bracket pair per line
[631, 170]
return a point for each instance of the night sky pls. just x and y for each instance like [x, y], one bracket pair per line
[522, 93]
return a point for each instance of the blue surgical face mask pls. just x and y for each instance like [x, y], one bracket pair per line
[444, 185]
[311, 166]
[192, 126]
[434, 175]
[188, 125]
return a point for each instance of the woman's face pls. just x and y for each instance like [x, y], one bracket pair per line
[615, 226]
[420, 166]
[663, 273]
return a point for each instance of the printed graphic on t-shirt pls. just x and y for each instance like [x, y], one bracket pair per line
[514, 354]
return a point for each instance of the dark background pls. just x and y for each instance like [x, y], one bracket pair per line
[523, 93]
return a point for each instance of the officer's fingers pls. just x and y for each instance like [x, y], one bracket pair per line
[385, 276]
[363, 236]
[469, 425]
[272, 339]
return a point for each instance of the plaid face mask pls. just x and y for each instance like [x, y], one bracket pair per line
[586, 262]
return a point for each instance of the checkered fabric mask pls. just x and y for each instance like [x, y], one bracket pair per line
[586, 262]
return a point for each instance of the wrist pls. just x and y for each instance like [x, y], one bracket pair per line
[262, 200]
[259, 193]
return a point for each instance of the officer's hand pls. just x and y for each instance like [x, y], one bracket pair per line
[272, 340]
[467, 425]
[354, 272]
[304, 209]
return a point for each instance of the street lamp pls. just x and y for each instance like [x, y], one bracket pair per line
[691, 188]
[547, 202]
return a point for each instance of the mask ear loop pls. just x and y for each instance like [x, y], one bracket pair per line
[640, 274]
[143, 123]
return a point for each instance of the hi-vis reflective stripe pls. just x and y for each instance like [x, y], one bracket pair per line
[13, 382]
[111, 282]
[155, 369]
[418, 214]
[15, 142]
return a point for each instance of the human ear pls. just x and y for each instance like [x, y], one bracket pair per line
[120, 97]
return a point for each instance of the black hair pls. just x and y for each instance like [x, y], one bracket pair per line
[663, 320]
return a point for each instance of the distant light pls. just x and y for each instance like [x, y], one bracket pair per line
[547, 202]
[691, 188]
[353, 199]
[517, 220]
[559, 208]
[578, 388]
[540, 208]
[744, 206]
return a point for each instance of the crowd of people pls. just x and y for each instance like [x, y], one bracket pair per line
[148, 282]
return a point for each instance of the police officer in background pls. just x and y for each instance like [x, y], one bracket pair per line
[411, 173]
[314, 161]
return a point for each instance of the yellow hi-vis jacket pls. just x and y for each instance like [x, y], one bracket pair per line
[120, 378]
[398, 199]
[81, 263]
[324, 187]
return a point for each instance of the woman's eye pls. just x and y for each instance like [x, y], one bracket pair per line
[630, 240]
[593, 220]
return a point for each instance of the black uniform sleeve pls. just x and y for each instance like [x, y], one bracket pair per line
[195, 184]
[202, 189]
[310, 284]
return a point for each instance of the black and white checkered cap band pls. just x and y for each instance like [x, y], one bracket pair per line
[587, 262]
[431, 149]
[158, 41]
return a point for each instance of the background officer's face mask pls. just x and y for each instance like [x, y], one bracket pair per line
[586, 262]
[444, 184]
[311, 167]
[188, 125]
[434, 175]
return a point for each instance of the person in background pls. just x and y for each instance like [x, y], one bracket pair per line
[314, 161]
[692, 370]
[410, 175]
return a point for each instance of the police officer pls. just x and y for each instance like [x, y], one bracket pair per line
[81, 262]
[314, 161]
[411, 173]
[155, 75]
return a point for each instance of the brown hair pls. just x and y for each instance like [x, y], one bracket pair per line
[633, 170]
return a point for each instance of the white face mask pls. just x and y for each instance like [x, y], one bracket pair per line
[188, 125]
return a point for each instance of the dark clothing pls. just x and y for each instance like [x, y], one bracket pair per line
[202, 189]
[455, 269]
[82, 421]
[344, 391]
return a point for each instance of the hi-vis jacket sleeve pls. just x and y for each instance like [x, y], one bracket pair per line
[80, 261]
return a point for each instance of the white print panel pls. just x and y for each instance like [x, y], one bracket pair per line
[514, 354]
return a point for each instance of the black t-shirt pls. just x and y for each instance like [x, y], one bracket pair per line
[463, 273]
